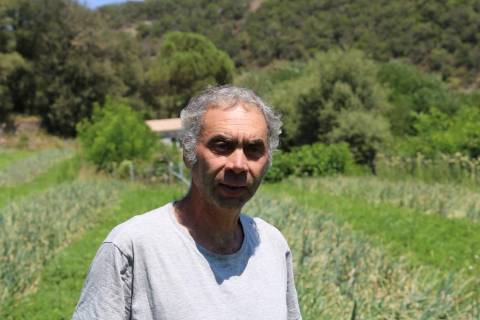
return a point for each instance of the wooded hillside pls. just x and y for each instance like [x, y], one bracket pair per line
[440, 36]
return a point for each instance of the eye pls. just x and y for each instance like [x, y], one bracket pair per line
[221, 147]
[255, 150]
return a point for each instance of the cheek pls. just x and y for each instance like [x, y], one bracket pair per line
[260, 168]
[212, 165]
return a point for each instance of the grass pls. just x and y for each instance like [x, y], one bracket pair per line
[66, 170]
[26, 169]
[448, 200]
[9, 156]
[457, 168]
[62, 279]
[447, 244]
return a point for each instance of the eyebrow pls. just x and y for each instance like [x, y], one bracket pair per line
[221, 137]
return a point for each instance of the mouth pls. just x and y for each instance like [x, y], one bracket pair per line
[233, 188]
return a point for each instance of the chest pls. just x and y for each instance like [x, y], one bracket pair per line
[184, 284]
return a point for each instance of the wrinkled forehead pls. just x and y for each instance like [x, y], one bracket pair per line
[233, 103]
[234, 113]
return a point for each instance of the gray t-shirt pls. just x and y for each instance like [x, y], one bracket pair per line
[149, 267]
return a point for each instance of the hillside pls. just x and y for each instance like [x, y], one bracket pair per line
[440, 36]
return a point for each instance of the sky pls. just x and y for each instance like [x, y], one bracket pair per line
[96, 3]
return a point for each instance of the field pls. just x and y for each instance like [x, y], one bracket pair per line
[363, 247]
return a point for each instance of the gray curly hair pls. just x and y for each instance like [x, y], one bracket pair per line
[192, 116]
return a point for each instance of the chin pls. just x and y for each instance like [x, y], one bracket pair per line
[230, 203]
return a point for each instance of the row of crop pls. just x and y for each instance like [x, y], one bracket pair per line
[9, 155]
[311, 160]
[340, 275]
[32, 230]
[452, 201]
[443, 168]
[26, 169]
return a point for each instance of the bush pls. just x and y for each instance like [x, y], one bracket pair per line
[311, 160]
[114, 134]
[438, 132]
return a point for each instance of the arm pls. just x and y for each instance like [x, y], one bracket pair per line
[293, 308]
[107, 290]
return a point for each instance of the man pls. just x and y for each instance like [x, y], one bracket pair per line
[200, 258]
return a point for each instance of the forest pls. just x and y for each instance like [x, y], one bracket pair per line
[409, 69]
[380, 103]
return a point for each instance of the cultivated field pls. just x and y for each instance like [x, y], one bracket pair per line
[364, 248]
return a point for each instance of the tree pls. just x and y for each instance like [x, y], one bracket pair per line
[186, 64]
[12, 64]
[115, 133]
[413, 92]
[346, 104]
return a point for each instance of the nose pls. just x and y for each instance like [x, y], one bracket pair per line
[237, 161]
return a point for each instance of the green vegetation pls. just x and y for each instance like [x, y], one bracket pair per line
[447, 244]
[186, 64]
[26, 169]
[62, 279]
[391, 89]
[341, 275]
[345, 80]
[438, 132]
[441, 168]
[447, 200]
[35, 228]
[114, 134]
[9, 156]
[311, 160]
[346, 104]
[64, 171]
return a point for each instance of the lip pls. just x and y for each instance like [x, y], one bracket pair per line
[233, 186]
[233, 189]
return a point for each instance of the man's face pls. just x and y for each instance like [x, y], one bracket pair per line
[232, 154]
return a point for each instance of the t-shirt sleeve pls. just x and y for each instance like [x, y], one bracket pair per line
[106, 293]
[293, 308]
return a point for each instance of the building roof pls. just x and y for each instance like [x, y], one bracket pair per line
[165, 125]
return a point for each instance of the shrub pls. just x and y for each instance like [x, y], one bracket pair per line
[115, 133]
[311, 160]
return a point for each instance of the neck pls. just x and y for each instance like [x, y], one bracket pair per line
[216, 229]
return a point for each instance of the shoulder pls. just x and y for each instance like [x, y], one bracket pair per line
[140, 228]
[266, 231]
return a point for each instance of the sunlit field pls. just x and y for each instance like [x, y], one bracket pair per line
[364, 247]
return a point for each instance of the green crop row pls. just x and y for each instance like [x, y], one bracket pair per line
[341, 275]
[8, 156]
[443, 168]
[26, 169]
[32, 230]
[60, 172]
[57, 293]
[448, 200]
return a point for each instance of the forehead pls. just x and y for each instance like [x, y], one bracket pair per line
[236, 119]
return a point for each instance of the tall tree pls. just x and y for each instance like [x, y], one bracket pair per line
[186, 64]
[12, 64]
[346, 104]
